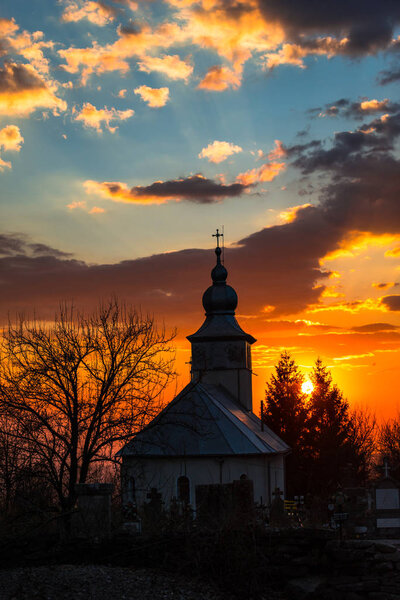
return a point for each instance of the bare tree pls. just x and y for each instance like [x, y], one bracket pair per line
[389, 444]
[362, 437]
[81, 386]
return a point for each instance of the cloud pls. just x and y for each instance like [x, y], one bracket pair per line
[194, 188]
[30, 46]
[4, 164]
[389, 76]
[384, 286]
[392, 303]
[98, 13]
[375, 328]
[219, 78]
[11, 138]
[357, 110]
[171, 66]
[131, 42]
[217, 152]
[155, 97]
[393, 253]
[266, 172]
[23, 90]
[94, 118]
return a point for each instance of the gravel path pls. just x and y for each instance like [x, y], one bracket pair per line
[68, 582]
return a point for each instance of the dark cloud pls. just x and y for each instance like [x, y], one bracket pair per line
[375, 328]
[14, 244]
[18, 77]
[368, 25]
[356, 110]
[195, 188]
[389, 76]
[349, 148]
[392, 302]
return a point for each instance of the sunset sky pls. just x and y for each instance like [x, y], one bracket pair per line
[130, 130]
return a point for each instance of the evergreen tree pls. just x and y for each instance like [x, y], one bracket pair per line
[338, 448]
[287, 415]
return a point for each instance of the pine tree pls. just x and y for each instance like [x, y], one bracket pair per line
[287, 415]
[334, 453]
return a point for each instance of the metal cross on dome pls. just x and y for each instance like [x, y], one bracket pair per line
[218, 235]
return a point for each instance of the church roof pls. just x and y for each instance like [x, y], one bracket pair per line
[204, 420]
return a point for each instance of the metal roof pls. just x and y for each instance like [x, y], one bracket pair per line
[204, 420]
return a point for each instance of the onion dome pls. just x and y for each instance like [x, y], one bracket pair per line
[219, 298]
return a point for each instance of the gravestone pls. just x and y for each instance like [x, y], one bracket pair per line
[387, 504]
[218, 504]
[92, 519]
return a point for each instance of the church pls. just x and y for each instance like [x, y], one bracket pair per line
[208, 434]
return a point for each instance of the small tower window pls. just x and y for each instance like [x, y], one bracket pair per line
[243, 477]
[183, 489]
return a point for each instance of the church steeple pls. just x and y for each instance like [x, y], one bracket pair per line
[221, 352]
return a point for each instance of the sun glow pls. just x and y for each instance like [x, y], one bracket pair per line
[307, 387]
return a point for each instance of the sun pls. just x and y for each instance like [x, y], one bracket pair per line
[307, 387]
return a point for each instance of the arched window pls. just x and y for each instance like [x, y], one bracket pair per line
[183, 489]
[243, 477]
[131, 489]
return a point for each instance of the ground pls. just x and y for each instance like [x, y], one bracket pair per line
[69, 582]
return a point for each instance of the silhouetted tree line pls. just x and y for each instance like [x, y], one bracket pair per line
[331, 445]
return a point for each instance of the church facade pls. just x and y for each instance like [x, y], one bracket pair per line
[209, 433]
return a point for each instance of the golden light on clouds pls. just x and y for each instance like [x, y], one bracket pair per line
[23, 91]
[219, 78]
[11, 138]
[120, 192]
[171, 66]
[266, 172]
[154, 97]
[96, 118]
[217, 151]
[95, 12]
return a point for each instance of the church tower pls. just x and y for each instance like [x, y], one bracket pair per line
[221, 350]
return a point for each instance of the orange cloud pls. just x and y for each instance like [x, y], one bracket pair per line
[355, 243]
[218, 79]
[394, 252]
[155, 97]
[170, 65]
[11, 138]
[4, 164]
[120, 192]
[94, 118]
[219, 151]
[23, 90]
[294, 54]
[289, 214]
[267, 172]
[195, 188]
[96, 210]
[278, 151]
[383, 286]
[95, 12]
[29, 45]
[372, 105]
[113, 57]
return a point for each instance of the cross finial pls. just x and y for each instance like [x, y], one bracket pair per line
[218, 235]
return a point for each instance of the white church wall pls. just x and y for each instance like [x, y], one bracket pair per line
[267, 473]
